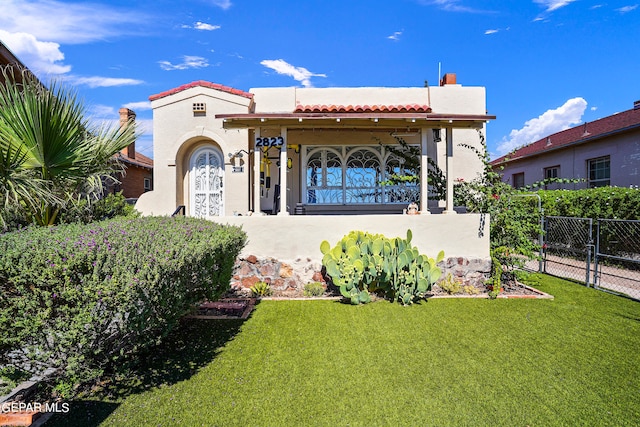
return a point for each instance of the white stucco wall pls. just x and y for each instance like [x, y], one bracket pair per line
[292, 237]
[178, 132]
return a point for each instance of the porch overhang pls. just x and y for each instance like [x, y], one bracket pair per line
[353, 120]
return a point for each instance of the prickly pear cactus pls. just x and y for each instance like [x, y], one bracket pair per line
[361, 263]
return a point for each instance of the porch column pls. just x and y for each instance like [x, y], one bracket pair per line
[256, 175]
[283, 173]
[449, 172]
[424, 172]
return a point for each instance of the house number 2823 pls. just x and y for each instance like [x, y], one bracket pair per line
[273, 141]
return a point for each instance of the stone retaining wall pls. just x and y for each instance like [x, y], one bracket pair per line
[287, 278]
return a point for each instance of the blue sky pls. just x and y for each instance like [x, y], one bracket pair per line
[546, 64]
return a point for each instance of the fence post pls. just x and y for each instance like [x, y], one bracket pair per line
[589, 246]
[541, 237]
[595, 271]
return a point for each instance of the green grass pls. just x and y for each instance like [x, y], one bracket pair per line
[571, 361]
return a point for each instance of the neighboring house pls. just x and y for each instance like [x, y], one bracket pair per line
[599, 153]
[8, 58]
[225, 154]
[138, 176]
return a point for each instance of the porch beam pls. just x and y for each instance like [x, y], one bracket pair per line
[449, 172]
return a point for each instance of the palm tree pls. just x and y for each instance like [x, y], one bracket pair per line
[50, 153]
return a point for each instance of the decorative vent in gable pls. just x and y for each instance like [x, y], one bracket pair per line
[199, 109]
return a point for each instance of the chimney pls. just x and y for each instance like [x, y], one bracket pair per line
[128, 116]
[448, 79]
[636, 105]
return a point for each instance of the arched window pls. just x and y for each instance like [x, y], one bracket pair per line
[324, 177]
[206, 190]
[356, 175]
[363, 177]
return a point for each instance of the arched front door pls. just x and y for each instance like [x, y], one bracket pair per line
[206, 189]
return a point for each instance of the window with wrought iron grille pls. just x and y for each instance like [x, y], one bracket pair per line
[338, 175]
[599, 171]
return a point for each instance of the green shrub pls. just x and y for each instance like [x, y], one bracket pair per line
[260, 289]
[450, 285]
[470, 290]
[313, 289]
[82, 297]
[82, 210]
[602, 202]
[361, 263]
[86, 211]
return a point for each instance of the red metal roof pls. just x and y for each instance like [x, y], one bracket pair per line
[589, 131]
[202, 83]
[413, 108]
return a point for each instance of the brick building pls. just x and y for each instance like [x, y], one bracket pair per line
[138, 176]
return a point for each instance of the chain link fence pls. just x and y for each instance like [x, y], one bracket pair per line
[568, 247]
[617, 257]
[605, 254]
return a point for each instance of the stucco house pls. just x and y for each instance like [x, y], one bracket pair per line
[295, 166]
[599, 153]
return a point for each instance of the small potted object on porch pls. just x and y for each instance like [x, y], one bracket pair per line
[412, 209]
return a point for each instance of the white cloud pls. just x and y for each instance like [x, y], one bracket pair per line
[206, 27]
[138, 106]
[188, 62]
[626, 9]
[450, 6]
[551, 5]
[101, 111]
[68, 22]
[203, 26]
[39, 56]
[300, 74]
[491, 31]
[97, 81]
[395, 36]
[222, 4]
[549, 122]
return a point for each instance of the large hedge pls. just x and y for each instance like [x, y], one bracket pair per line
[82, 297]
[603, 202]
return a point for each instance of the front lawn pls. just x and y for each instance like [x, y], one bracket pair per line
[569, 361]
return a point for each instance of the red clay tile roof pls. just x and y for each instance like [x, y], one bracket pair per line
[589, 131]
[414, 108]
[203, 84]
[140, 160]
